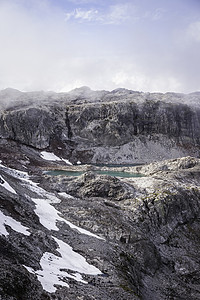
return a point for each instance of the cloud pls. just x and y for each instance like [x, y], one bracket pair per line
[79, 2]
[141, 81]
[51, 47]
[155, 15]
[33, 48]
[113, 14]
[119, 13]
[193, 31]
[83, 15]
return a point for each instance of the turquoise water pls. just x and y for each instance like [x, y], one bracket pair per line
[78, 173]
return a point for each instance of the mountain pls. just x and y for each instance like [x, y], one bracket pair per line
[121, 126]
[100, 237]
[112, 229]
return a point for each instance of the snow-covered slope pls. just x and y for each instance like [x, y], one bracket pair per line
[99, 237]
[60, 264]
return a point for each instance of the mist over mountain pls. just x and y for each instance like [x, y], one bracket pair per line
[119, 126]
[11, 96]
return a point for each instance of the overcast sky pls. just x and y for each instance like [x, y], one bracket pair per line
[144, 45]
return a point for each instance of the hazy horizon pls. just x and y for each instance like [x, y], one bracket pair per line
[141, 45]
[10, 89]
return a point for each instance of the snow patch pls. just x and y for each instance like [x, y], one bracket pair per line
[52, 157]
[33, 186]
[67, 161]
[49, 156]
[15, 225]
[47, 213]
[15, 173]
[29, 184]
[49, 216]
[65, 195]
[6, 185]
[54, 268]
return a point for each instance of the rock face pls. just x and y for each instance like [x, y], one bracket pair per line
[32, 127]
[107, 127]
[134, 132]
[96, 236]
[141, 235]
[93, 185]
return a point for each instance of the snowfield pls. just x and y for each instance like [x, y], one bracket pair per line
[15, 225]
[54, 268]
[6, 185]
[52, 157]
[65, 195]
[49, 216]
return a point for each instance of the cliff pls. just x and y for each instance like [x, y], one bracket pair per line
[97, 236]
[105, 127]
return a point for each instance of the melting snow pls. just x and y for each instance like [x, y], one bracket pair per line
[47, 213]
[49, 216]
[15, 225]
[7, 186]
[67, 161]
[33, 186]
[65, 195]
[54, 268]
[13, 171]
[49, 156]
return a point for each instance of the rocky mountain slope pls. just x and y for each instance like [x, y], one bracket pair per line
[94, 236]
[121, 126]
[99, 237]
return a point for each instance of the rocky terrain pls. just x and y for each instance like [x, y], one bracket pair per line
[94, 236]
[116, 127]
[132, 238]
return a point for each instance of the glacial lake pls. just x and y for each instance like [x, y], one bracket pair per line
[100, 172]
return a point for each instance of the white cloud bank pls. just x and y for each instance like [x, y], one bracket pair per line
[194, 31]
[116, 14]
[113, 44]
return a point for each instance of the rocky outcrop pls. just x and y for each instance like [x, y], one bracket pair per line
[106, 127]
[121, 132]
[140, 234]
[33, 234]
[156, 227]
[93, 185]
[32, 127]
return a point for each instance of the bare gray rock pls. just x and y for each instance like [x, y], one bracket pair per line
[121, 126]
[150, 227]
[142, 234]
